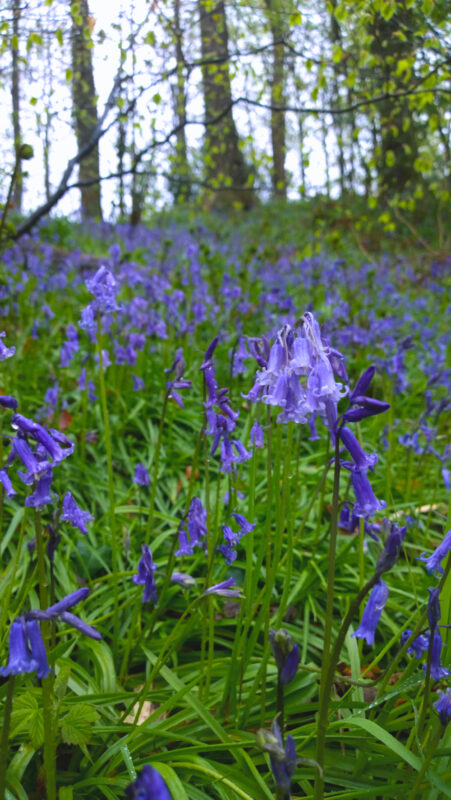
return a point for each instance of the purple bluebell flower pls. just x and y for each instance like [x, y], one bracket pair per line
[41, 496]
[224, 589]
[286, 654]
[372, 612]
[419, 645]
[282, 757]
[50, 440]
[145, 576]
[239, 355]
[443, 706]
[207, 362]
[348, 520]
[367, 406]
[37, 646]
[392, 547]
[6, 483]
[51, 396]
[104, 287]
[437, 671]
[149, 785]
[257, 435]
[178, 382]
[75, 515]
[433, 562]
[228, 549]
[5, 352]
[183, 579]
[192, 532]
[434, 608]
[141, 475]
[34, 466]
[361, 461]
[366, 502]
[138, 383]
[20, 657]
[69, 347]
[60, 610]
[8, 401]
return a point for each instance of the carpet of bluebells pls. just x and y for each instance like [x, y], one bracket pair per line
[225, 540]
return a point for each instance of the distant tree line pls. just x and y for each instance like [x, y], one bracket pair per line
[370, 79]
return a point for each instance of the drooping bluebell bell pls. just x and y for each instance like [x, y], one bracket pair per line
[392, 548]
[145, 576]
[37, 647]
[232, 539]
[286, 654]
[104, 287]
[224, 589]
[257, 435]
[366, 406]
[70, 346]
[35, 466]
[138, 383]
[372, 612]
[41, 495]
[433, 562]
[20, 657]
[437, 670]
[60, 610]
[366, 501]
[51, 440]
[51, 396]
[149, 785]
[8, 401]
[418, 646]
[183, 579]
[348, 520]
[434, 611]
[282, 756]
[178, 382]
[75, 515]
[6, 483]
[141, 475]
[361, 461]
[443, 706]
[193, 530]
[5, 352]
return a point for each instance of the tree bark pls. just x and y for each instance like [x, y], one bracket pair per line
[15, 98]
[277, 85]
[180, 185]
[84, 107]
[225, 167]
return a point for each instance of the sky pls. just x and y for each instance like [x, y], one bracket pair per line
[37, 87]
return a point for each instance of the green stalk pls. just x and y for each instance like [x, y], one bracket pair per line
[109, 458]
[5, 735]
[268, 587]
[324, 693]
[213, 538]
[427, 685]
[426, 762]
[47, 683]
[156, 466]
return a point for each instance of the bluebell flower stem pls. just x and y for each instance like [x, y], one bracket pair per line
[426, 763]
[5, 734]
[427, 686]
[156, 466]
[109, 458]
[280, 705]
[286, 520]
[268, 565]
[47, 683]
[213, 536]
[324, 689]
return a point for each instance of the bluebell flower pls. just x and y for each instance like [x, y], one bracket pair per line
[145, 576]
[35, 467]
[20, 657]
[282, 757]
[257, 435]
[183, 579]
[224, 589]
[149, 785]
[5, 352]
[366, 501]
[192, 532]
[141, 475]
[348, 520]
[361, 461]
[437, 671]
[6, 483]
[419, 645]
[51, 396]
[37, 647]
[372, 612]
[392, 548]
[75, 515]
[286, 654]
[69, 347]
[41, 495]
[138, 383]
[104, 287]
[433, 562]
[8, 401]
[60, 610]
[443, 706]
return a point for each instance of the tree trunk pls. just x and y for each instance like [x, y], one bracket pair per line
[277, 85]
[85, 107]
[180, 185]
[15, 97]
[226, 171]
